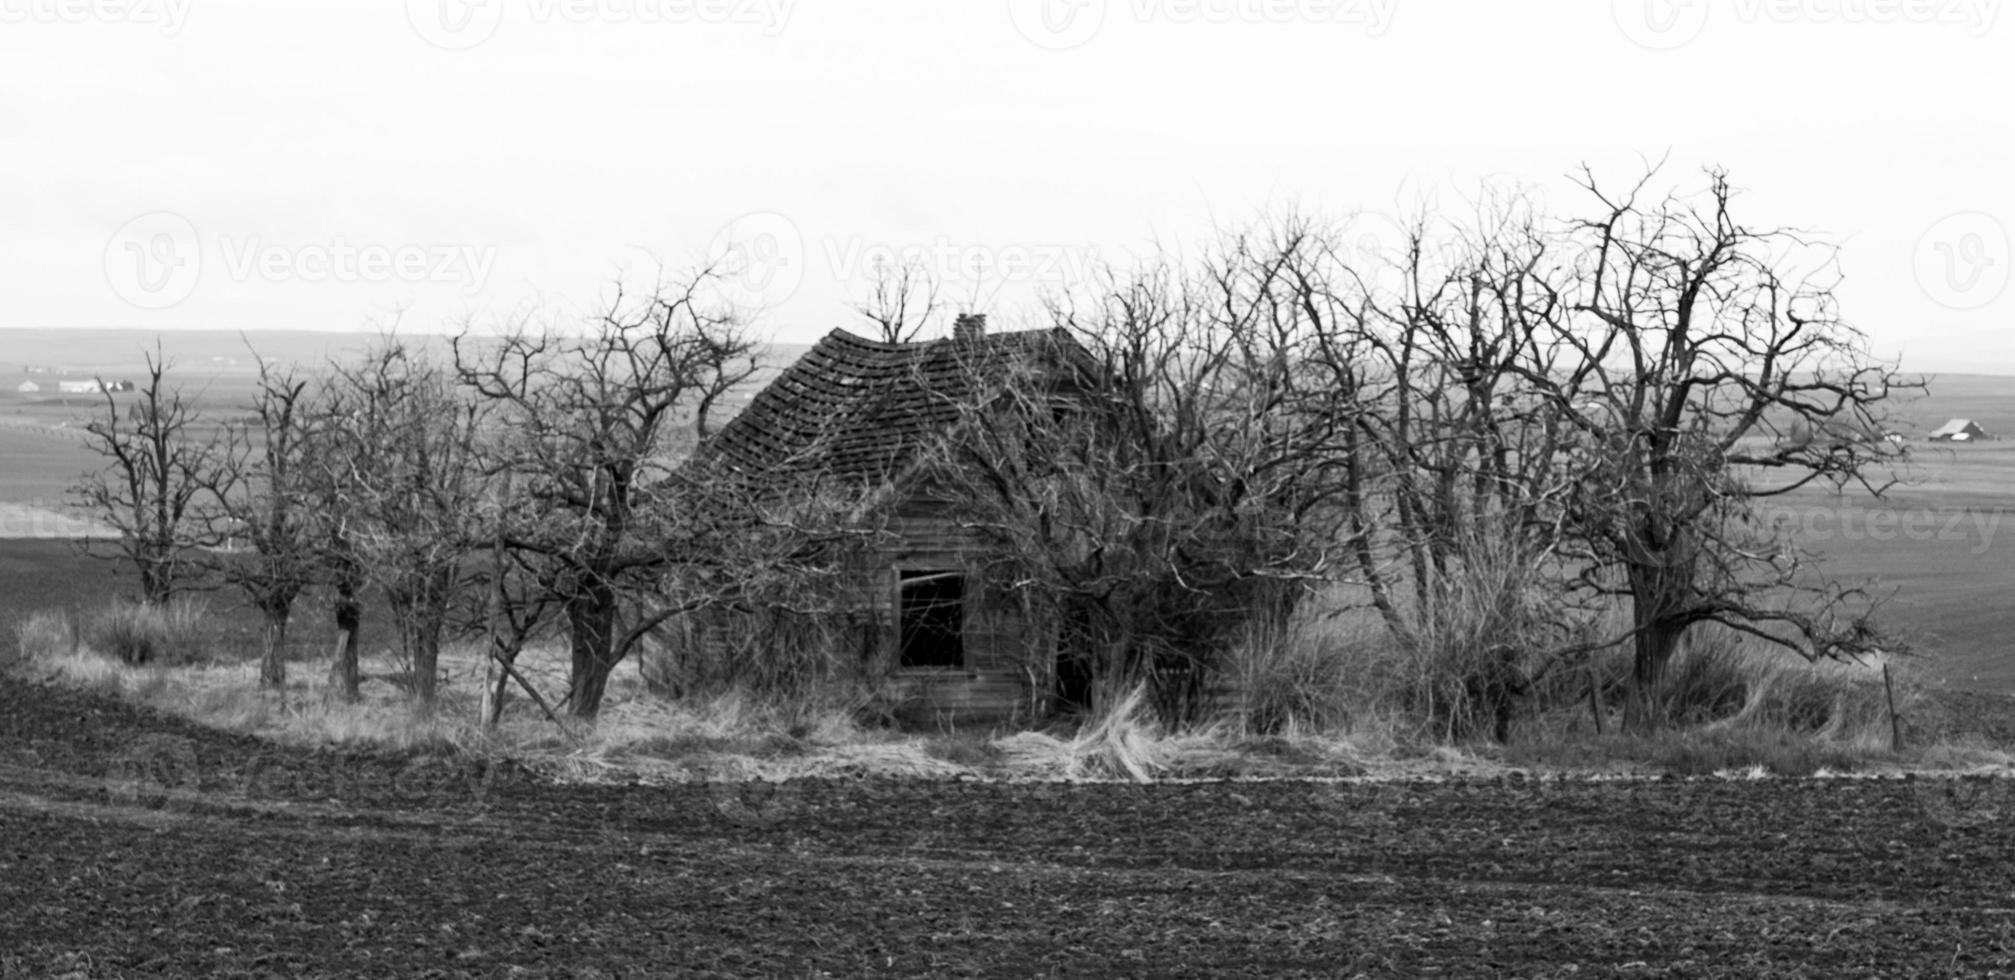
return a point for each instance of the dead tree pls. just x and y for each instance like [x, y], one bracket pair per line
[1166, 484]
[262, 509]
[587, 422]
[902, 303]
[332, 529]
[1681, 359]
[159, 460]
[404, 476]
[1453, 469]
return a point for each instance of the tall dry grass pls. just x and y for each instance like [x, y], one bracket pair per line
[1458, 669]
[1330, 693]
[170, 633]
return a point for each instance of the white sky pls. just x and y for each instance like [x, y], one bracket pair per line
[319, 164]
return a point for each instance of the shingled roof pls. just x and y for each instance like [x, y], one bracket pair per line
[861, 409]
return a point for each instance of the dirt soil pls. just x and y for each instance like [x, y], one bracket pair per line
[136, 845]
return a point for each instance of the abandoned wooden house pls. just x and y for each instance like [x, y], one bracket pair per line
[929, 633]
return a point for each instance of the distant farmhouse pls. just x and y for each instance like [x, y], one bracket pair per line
[91, 386]
[1959, 430]
[28, 388]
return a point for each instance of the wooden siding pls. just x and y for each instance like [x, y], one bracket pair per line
[1006, 660]
[993, 685]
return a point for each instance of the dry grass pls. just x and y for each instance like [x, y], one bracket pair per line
[1738, 706]
[1330, 712]
[138, 633]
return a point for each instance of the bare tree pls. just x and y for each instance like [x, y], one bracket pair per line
[407, 490]
[261, 508]
[1453, 467]
[588, 423]
[1165, 480]
[158, 463]
[902, 302]
[514, 602]
[1687, 355]
[330, 512]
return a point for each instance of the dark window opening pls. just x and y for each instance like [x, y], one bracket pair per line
[933, 619]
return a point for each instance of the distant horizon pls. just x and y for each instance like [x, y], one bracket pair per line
[773, 341]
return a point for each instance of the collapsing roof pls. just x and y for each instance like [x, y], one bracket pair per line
[862, 410]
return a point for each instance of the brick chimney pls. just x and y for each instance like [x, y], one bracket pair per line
[969, 326]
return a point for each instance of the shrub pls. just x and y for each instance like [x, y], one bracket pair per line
[1466, 668]
[1291, 679]
[1720, 681]
[142, 633]
[1712, 679]
[44, 635]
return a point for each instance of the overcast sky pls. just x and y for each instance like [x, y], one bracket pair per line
[319, 165]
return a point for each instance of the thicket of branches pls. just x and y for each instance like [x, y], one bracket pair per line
[1499, 434]
[1495, 436]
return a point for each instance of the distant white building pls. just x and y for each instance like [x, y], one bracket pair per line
[1959, 430]
[29, 387]
[79, 387]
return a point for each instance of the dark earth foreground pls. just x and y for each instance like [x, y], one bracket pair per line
[136, 845]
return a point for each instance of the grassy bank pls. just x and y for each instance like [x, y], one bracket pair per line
[1736, 711]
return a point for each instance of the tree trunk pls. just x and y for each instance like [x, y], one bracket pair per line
[157, 577]
[591, 621]
[1644, 711]
[423, 647]
[273, 638]
[496, 681]
[349, 616]
[420, 607]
